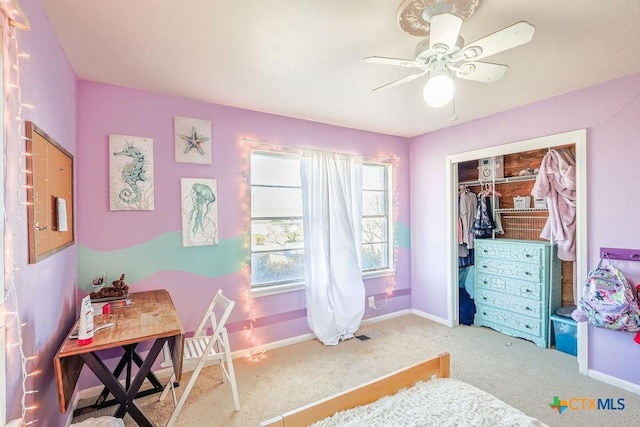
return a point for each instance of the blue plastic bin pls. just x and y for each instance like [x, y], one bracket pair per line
[566, 333]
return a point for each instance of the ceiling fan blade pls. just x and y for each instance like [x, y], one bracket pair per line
[505, 39]
[406, 79]
[444, 32]
[484, 72]
[392, 61]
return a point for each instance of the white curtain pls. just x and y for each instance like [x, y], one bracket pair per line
[332, 206]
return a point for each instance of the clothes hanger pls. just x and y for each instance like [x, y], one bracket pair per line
[486, 190]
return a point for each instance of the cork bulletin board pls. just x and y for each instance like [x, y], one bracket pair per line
[49, 194]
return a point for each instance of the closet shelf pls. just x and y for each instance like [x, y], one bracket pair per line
[507, 210]
[501, 180]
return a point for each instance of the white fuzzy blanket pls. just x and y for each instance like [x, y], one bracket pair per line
[442, 402]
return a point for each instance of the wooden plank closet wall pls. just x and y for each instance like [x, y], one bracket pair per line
[513, 164]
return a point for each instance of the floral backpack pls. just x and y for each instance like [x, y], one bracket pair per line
[608, 300]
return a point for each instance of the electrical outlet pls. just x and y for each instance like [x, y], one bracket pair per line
[372, 302]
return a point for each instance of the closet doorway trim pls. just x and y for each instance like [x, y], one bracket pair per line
[579, 139]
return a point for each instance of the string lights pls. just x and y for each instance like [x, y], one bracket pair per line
[251, 145]
[256, 353]
[394, 161]
[10, 323]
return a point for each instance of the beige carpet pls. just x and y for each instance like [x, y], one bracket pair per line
[514, 370]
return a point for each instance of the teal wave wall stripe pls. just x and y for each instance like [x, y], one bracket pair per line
[164, 252]
[403, 235]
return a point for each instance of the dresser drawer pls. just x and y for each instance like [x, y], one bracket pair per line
[524, 252]
[513, 269]
[531, 290]
[539, 340]
[509, 319]
[524, 306]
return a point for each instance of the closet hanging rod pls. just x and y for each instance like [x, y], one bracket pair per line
[619, 253]
[501, 180]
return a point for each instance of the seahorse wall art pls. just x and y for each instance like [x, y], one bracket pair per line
[130, 173]
[199, 212]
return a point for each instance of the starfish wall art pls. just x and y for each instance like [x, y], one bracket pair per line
[192, 140]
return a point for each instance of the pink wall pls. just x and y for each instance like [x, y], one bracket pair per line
[610, 114]
[137, 242]
[46, 291]
[88, 112]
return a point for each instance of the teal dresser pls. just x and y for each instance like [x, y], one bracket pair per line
[517, 287]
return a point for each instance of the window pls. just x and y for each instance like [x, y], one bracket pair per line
[375, 217]
[277, 241]
[277, 232]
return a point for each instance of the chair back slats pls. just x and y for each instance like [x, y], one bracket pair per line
[203, 347]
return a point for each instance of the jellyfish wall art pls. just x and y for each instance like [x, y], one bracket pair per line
[199, 212]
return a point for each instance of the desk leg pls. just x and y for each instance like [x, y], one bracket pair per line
[124, 361]
[130, 355]
[125, 397]
[157, 385]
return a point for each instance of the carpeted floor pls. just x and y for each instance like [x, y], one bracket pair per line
[514, 370]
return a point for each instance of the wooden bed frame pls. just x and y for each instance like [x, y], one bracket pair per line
[369, 392]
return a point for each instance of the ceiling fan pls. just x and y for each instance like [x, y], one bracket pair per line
[443, 55]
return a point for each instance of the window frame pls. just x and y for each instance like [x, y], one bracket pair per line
[277, 287]
[280, 285]
[390, 241]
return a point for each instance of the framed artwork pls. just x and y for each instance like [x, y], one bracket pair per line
[130, 173]
[199, 212]
[192, 140]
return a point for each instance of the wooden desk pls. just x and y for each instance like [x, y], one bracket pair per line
[151, 316]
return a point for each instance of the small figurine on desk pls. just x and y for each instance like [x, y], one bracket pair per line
[118, 289]
[119, 283]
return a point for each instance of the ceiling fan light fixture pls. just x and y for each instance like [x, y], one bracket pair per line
[439, 89]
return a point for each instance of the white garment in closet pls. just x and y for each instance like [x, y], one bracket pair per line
[467, 210]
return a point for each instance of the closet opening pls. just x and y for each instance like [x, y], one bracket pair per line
[520, 270]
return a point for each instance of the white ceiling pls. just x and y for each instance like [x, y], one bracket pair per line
[304, 58]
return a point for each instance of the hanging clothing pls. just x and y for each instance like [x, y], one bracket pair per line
[497, 218]
[467, 204]
[465, 261]
[483, 224]
[332, 209]
[556, 182]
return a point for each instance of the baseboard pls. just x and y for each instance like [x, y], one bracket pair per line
[616, 382]
[248, 352]
[386, 316]
[428, 316]
[166, 370]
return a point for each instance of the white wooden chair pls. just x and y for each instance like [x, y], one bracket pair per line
[203, 349]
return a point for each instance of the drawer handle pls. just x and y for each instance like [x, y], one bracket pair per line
[484, 298]
[528, 255]
[528, 291]
[527, 326]
[484, 312]
[485, 282]
[527, 273]
[527, 308]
